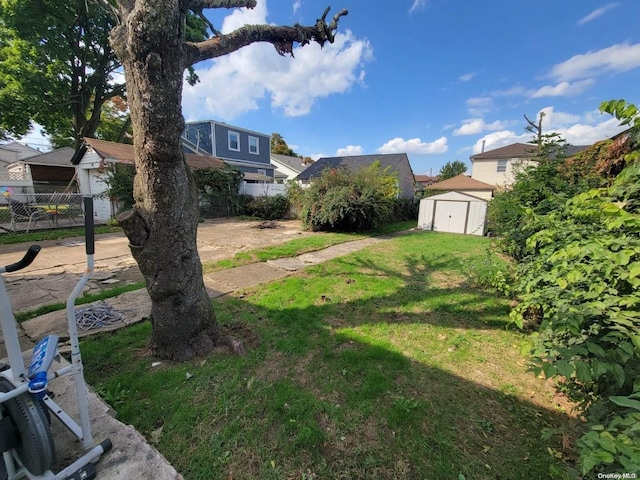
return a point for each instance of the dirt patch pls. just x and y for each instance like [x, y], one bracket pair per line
[218, 239]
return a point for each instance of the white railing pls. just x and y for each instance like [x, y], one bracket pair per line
[261, 189]
[14, 176]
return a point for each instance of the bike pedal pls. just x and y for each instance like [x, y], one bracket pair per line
[88, 472]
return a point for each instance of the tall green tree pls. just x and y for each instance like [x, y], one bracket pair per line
[56, 63]
[150, 41]
[280, 147]
[452, 169]
[57, 67]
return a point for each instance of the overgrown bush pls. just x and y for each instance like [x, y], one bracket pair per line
[583, 280]
[119, 180]
[405, 209]
[579, 283]
[345, 200]
[218, 190]
[295, 194]
[265, 207]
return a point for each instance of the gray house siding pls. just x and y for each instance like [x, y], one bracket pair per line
[221, 135]
[213, 138]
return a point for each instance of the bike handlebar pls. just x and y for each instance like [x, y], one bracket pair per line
[89, 234]
[28, 258]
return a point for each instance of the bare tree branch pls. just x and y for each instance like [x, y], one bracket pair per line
[199, 5]
[281, 37]
[535, 128]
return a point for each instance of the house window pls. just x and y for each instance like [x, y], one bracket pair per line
[253, 145]
[262, 171]
[502, 166]
[234, 141]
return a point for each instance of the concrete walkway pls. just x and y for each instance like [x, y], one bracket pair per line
[132, 456]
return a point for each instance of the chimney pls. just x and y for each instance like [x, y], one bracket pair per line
[483, 142]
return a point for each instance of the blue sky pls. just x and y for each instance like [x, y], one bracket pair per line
[431, 78]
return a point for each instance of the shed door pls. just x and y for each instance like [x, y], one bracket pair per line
[450, 216]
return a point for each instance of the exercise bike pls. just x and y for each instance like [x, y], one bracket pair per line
[26, 440]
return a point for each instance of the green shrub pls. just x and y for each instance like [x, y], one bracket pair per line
[218, 191]
[582, 281]
[578, 282]
[265, 207]
[344, 200]
[405, 209]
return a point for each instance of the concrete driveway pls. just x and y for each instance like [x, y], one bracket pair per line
[56, 270]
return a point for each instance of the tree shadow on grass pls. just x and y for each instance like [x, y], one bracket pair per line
[362, 370]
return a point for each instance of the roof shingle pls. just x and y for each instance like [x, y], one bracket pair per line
[124, 153]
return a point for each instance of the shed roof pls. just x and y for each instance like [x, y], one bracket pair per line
[461, 182]
[123, 152]
[453, 196]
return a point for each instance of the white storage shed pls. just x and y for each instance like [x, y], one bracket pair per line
[453, 212]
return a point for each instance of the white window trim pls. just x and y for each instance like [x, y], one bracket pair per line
[229, 134]
[262, 171]
[501, 166]
[257, 152]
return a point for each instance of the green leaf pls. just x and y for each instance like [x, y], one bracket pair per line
[583, 372]
[548, 369]
[617, 372]
[626, 402]
[564, 368]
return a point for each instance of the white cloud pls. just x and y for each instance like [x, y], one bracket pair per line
[417, 4]
[580, 130]
[581, 134]
[414, 146]
[237, 83]
[477, 125]
[500, 139]
[467, 76]
[553, 119]
[349, 150]
[617, 58]
[296, 5]
[562, 89]
[478, 106]
[575, 129]
[597, 13]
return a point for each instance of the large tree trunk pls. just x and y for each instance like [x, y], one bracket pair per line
[162, 226]
[149, 41]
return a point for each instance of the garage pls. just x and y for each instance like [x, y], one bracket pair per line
[453, 212]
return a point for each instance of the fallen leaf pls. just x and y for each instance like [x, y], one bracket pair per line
[155, 435]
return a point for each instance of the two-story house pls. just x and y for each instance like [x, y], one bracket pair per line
[246, 150]
[498, 167]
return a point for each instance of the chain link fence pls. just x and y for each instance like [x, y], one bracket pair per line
[27, 212]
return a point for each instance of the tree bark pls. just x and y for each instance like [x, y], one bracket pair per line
[150, 42]
[162, 226]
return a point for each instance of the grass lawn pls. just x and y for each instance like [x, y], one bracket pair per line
[387, 363]
[299, 246]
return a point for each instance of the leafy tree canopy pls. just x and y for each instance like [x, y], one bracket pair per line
[280, 147]
[452, 169]
[57, 67]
